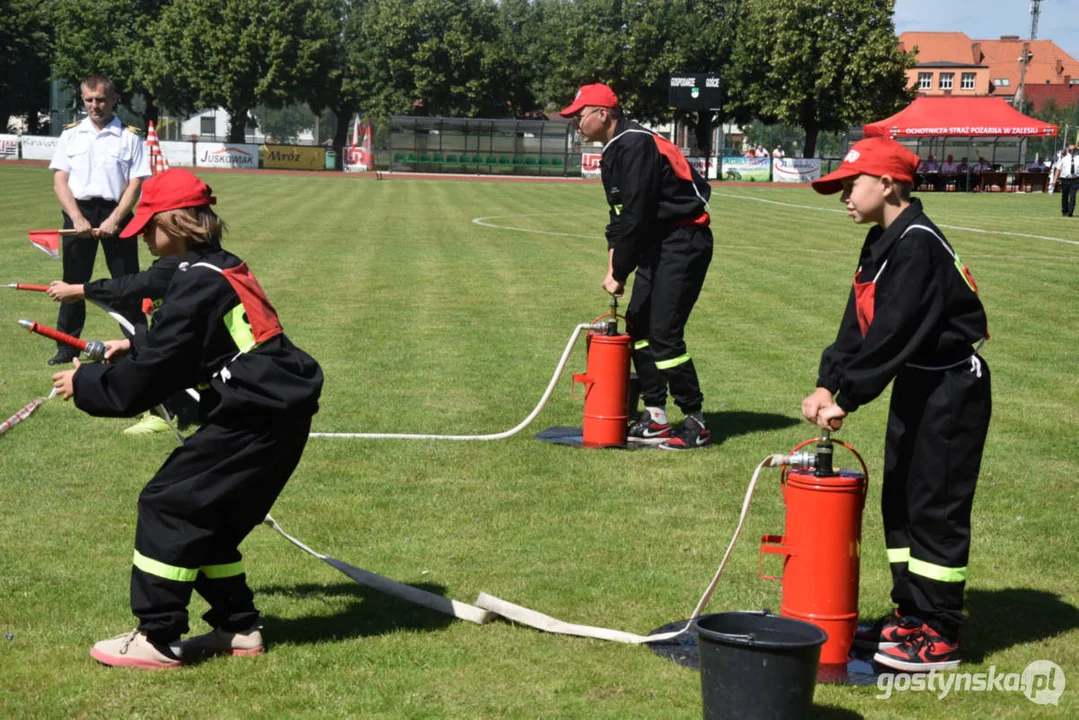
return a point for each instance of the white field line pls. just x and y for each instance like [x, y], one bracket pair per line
[484, 222]
[949, 227]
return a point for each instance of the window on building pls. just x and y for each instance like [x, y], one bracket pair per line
[1002, 82]
[925, 81]
[946, 81]
[206, 125]
[967, 82]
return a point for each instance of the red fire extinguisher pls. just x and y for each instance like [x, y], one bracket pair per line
[821, 545]
[606, 383]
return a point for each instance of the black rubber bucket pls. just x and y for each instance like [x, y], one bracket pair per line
[756, 665]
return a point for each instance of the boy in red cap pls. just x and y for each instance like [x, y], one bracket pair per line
[913, 316]
[216, 330]
[658, 227]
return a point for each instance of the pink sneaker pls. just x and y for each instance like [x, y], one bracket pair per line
[134, 650]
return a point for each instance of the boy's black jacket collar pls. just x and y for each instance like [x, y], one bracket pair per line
[879, 241]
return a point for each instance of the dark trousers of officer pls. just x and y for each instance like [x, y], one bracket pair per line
[79, 253]
[665, 288]
[937, 424]
[195, 512]
[1068, 186]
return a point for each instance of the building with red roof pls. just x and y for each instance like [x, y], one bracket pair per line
[952, 64]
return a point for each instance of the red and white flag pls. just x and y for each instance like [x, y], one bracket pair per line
[355, 132]
[47, 241]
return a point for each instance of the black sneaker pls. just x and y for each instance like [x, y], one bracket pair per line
[889, 631]
[927, 650]
[646, 432]
[690, 435]
[62, 357]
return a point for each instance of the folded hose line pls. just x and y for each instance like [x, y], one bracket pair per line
[487, 606]
[414, 595]
[496, 436]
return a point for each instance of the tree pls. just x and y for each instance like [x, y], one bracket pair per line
[110, 37]
[236, 54]
[823, 65]
[633, 46]
[25, 43]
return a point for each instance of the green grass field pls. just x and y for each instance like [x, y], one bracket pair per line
[425, 321]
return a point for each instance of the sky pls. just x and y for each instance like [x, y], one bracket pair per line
[989, 19]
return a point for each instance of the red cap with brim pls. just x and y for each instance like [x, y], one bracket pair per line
[598, 95]
[170, 190]
[876, 156]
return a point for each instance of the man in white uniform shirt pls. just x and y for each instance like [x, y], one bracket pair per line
[98, 167]
[1067, 175]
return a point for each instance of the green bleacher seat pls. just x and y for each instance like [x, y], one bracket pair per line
[399, 158]
[425, 158]
[492, 160]
[411, 158]
[451, 159]
[503, 160]
[556, 162]
[437, 158]
[476, 160]
[530, 161]
[544, 162]
[518, 160]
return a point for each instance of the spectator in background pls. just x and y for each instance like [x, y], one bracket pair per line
[948, 171]
[962, 171]
[1067, 173]
[778, 152]
[982, 166]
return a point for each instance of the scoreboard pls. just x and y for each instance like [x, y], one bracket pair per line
[694, 91]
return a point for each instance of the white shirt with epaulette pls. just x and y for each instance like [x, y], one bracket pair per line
[101, 163]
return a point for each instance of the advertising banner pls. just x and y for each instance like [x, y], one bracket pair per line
[9, 147]
[747, 169]
[795, 170]
[291, 157]
[705, 167]
[179, 154]
[590, 164]
[38, 147]
[230, 155]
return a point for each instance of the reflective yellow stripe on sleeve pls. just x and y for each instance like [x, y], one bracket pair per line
[936, 572]
[640, 345]
[160, 569]
[674, 362]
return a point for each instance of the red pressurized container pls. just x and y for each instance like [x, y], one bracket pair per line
[606, 382]
[821, 547]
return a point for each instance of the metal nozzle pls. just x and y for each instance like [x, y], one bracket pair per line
[94, 351]
[29, 324]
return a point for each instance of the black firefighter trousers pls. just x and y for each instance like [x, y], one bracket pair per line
[201, 504]
[665, 288]
[78, 255]
[937, 425]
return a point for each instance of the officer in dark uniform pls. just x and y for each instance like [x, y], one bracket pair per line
[98, 168]
[658, 227]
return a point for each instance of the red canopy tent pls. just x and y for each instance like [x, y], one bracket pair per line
[959, 117]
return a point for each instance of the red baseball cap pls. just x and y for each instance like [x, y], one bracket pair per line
[873, 156]
[596, 94]
[170, 190]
